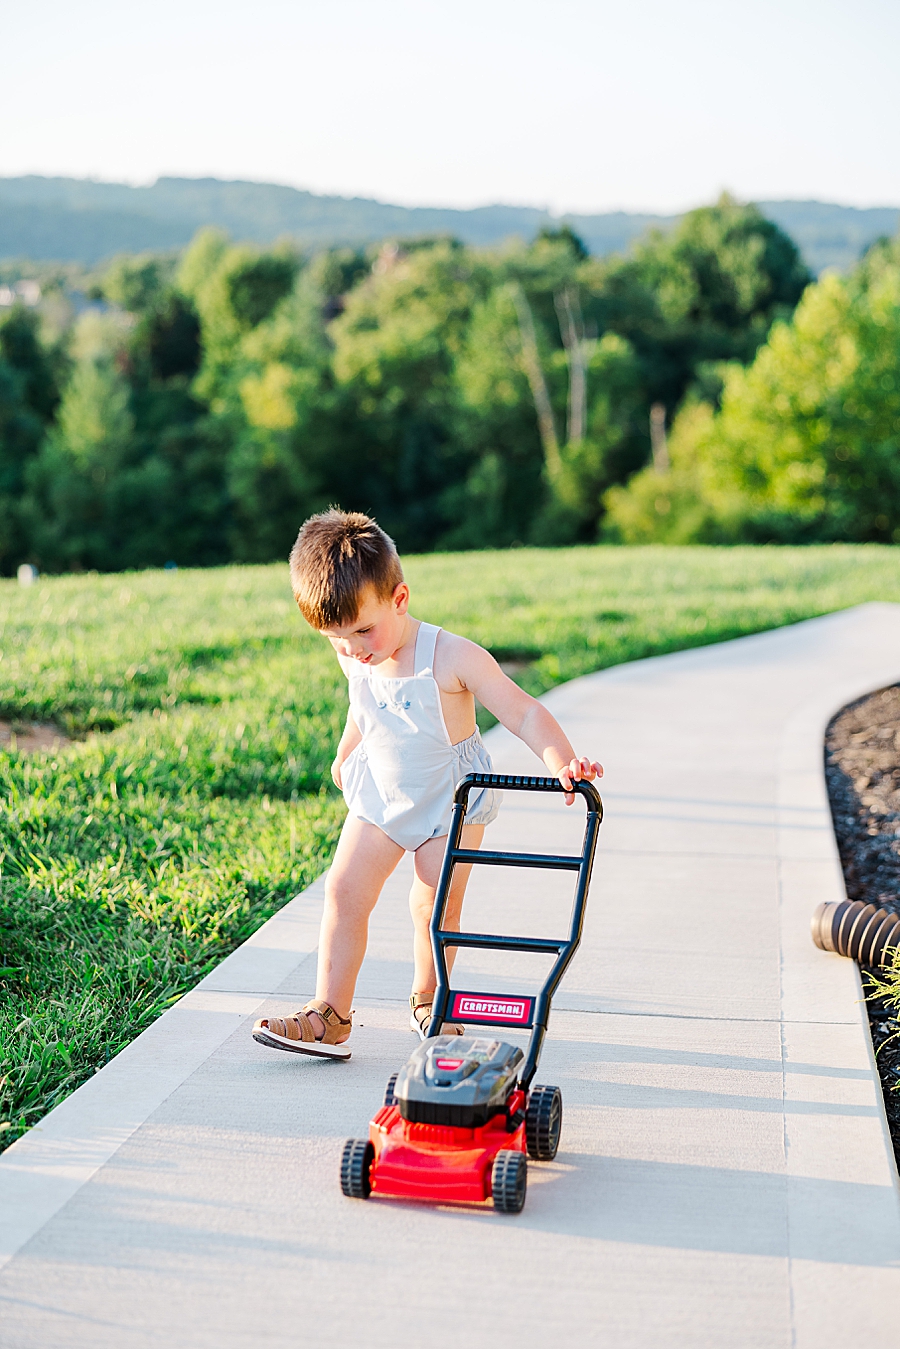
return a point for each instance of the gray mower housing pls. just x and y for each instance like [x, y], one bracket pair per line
[460, 1081]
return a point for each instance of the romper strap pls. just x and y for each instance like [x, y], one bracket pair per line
[426, 640]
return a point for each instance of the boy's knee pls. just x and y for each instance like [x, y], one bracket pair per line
[420, 907]
[343, 897]
[336, 893]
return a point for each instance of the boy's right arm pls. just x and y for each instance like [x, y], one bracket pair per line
[478, 672]
[348, 742]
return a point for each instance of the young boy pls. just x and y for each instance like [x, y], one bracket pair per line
[410, 736]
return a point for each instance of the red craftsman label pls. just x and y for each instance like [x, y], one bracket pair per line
[449, 1065]
[492, 1009]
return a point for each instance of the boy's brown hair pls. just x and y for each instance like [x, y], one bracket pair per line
[336, 556]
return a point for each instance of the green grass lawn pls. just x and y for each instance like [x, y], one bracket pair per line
[197, 798]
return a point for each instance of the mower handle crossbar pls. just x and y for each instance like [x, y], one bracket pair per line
[487, 941]
[517, 859]
[563, 948]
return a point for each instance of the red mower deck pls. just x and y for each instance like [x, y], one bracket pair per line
[433, 1161]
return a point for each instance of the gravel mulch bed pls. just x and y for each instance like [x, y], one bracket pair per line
[862, 769]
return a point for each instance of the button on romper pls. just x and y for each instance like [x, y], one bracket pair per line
[403, 773]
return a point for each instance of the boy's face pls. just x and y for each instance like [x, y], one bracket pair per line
[377, 630]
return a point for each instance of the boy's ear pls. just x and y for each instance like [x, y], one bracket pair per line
[400, 598]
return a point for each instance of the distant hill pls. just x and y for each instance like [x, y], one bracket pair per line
[75, 220]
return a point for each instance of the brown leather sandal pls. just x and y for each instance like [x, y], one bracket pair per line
[422, 1003]
[296, 1034]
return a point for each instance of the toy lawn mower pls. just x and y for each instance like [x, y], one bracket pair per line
[460, 1117]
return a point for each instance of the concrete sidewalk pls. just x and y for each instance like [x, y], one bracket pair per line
[725, 1176]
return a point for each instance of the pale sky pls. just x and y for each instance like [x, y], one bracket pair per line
[575, 105]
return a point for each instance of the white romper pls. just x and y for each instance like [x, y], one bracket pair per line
[402, 775]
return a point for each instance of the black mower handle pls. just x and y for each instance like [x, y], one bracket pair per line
[517, 782]
[563, 948]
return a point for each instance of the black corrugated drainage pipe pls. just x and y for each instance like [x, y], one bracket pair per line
[858, 930]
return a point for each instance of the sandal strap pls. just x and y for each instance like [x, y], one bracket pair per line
[335, 1026]
[423, 1002]
[298, 1028]
[327, 1013]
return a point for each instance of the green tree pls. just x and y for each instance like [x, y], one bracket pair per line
[285, 437]
[668, 505]
[709, 291]
[500, 484]
[76, 481]
[585, 391]
[130, 475]
[29, 395]
[233, 289]
[265, 377]
[396, 345]
[175, 441]
[134, 284]
[807, 442]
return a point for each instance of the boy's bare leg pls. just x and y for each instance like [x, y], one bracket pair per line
[428, 861]
[364, 859]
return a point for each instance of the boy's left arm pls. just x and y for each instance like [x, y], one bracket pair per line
[478, 672]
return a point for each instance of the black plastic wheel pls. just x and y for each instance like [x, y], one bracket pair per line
[356, 1166]
[543, 1123]
[509, 1179]
[389, 1097]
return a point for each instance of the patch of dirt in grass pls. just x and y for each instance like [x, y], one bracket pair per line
[862, 769]
[30, 736]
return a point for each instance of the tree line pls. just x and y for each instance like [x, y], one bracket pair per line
[469, 398]
[802, 445]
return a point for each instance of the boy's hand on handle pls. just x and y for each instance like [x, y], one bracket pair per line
[578, 770]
